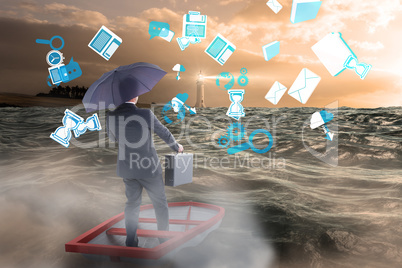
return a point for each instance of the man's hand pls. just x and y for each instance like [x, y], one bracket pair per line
[181, 149]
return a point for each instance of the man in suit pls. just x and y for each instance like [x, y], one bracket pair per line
[138, 164]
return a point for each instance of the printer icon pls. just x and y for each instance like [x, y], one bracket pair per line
[194, 24]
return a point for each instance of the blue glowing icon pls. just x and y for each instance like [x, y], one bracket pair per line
[50, 42]
[58, 72]
[225, 80]
[194, 25]
[54, 57]
[178, 105]
[236, 110]
[161, 29]
[319, 119]
[270, 50]
[303, 10]
[243, 79]
[64, 73]
[361, 68]
[75, 123]
[220, 49]
[105, 43]
[178, 68]
[236, 132]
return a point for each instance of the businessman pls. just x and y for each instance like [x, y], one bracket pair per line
[138, 163]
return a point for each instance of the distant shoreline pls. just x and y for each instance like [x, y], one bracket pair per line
[20, 100]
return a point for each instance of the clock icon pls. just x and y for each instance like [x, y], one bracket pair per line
[54, 57]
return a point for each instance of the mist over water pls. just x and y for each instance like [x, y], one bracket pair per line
[284, 208]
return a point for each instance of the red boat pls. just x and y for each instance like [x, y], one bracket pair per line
[189, 224]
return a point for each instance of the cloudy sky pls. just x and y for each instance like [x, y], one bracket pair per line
[370, 27]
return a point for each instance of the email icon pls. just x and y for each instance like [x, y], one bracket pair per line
[274, 5]
[304, 85]
[276, 92]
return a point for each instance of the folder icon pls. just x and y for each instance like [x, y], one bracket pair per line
[303, 10]
[304, 85]
[276, 92]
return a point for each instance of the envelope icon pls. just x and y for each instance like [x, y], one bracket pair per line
[304, 85]
[275, 93]
[274, 5]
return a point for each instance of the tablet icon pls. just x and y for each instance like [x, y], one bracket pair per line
[105, 43]
[220, 49]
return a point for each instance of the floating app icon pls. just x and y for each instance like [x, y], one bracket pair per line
[64, 73]
[54, 57]
[220, 49]
[243, 79]
[161, 29]
[105, 43]
[274, 5]
[270, 50]
[304, 85]
[184, 42]
[194, 25]
[236, 110]
[361, 68]
[50, 42]
[276, 92]
[303, 10]
[75, 123]
[178, 68]
[236, 132]
[336, 55]
[319, 119]
[58, 72]
[177, 105]
[225, 80]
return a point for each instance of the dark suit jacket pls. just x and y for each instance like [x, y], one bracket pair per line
[132, 127]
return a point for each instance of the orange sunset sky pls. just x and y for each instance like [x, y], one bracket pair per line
[371, 28]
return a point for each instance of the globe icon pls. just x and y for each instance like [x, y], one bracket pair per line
[225, 80]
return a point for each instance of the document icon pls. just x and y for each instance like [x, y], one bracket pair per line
[304, 85]
[303, 10]
[105, 42]
[276, 92]
[274, 5]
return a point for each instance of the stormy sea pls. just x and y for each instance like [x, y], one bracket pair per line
[307, 202]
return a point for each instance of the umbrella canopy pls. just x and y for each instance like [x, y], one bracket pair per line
[122, 84]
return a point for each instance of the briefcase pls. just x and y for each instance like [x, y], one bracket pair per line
[178, 169]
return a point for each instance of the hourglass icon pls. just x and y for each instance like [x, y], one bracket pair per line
[236, 110]
[71, 121]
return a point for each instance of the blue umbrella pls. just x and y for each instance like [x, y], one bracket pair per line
[122, 84]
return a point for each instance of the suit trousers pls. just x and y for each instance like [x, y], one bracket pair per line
[156, 192]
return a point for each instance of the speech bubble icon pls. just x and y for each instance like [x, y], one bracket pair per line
[157, 28]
